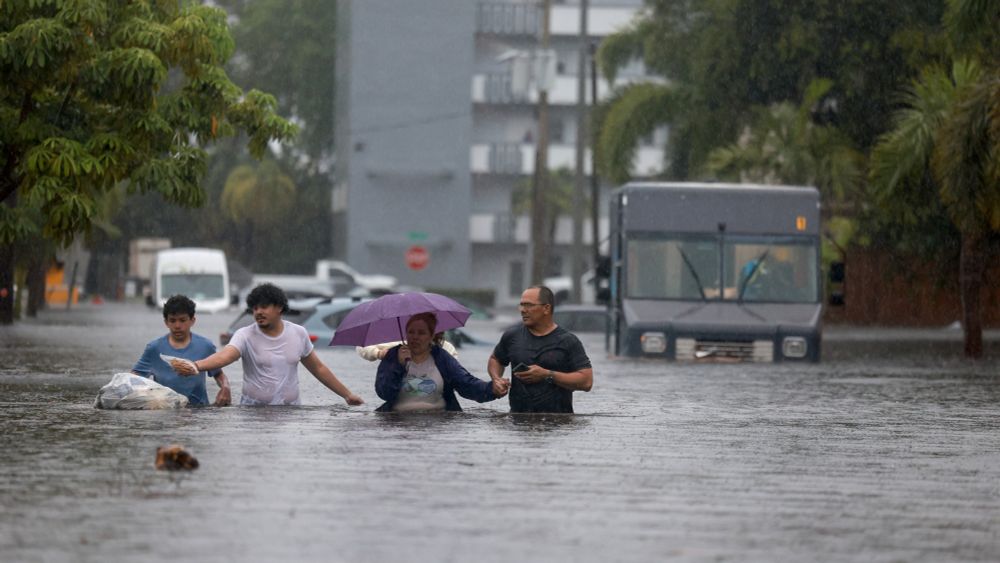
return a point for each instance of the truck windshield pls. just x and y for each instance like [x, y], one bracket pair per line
[731, 268]
[195, 286]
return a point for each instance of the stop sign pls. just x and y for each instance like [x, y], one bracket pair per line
[417, 257]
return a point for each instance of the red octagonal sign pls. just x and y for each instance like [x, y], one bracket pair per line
[417, 257]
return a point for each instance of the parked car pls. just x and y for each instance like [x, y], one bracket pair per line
[344, 278]
[579, 318]
[319, 319]
[460, 338]
[562, 288]
[295, 287]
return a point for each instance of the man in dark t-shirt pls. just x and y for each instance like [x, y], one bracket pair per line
[549, 361]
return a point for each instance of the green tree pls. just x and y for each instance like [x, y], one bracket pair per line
[96, 93]
[936, 174]
[785, 145]
[288, 48]
[258, 199]
[724, 58]
[943, 155]
[558, 201]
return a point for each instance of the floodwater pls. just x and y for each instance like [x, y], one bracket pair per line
[886, 451]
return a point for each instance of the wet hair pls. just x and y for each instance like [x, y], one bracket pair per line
[178, 305]
[545, 296]
[267, 294]
[429, 319]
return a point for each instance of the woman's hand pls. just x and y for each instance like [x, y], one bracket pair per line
[500, 387]
[404, 354]
[354, 400]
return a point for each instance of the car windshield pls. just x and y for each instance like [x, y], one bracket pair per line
[732, 268]
[332, 320]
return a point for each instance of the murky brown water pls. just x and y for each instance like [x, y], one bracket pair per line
[883, 452]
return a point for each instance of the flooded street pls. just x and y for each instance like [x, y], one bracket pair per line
[882, 452]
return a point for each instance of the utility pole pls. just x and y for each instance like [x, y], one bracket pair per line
[539, 226]
[581, 154]
[595, 201]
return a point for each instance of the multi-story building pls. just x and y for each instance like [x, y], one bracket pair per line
[433, 141]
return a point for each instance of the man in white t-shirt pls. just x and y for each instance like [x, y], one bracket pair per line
[271, 350]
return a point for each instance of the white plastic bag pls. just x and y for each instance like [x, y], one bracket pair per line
[131, 391]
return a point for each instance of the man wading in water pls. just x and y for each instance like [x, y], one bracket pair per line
[549, 361]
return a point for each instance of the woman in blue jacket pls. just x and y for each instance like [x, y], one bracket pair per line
[420, 376]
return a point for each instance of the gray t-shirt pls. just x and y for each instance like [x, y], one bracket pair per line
[271, 364]
[423, 388]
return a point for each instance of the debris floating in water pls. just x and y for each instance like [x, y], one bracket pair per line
[175, 458]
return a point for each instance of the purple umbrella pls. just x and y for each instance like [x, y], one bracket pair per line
[382, 320]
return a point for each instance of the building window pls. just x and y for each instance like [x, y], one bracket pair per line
[557, 131]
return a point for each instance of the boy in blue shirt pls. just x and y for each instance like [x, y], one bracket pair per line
[180, 342]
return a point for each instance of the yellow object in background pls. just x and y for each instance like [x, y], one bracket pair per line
[56, 288]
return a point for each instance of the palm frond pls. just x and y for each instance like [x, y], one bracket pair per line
[636, 111]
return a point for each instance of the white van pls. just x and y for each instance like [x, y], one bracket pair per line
[199, 273]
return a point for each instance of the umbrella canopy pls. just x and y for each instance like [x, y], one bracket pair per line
[384, 319]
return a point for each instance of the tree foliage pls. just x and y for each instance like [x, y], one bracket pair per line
[96, 93]
[288, 48]
[632, 113]
[785, 145]
[732, 57]
[941, 158]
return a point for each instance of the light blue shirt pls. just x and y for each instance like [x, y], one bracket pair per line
[152, 366]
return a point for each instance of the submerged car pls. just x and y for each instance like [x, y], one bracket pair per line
[319, 319]
[459, 338]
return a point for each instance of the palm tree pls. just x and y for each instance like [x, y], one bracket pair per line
[945, 146]
[634, 112]
[259, 199]
[785, 145]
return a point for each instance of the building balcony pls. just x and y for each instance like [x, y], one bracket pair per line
[499, 228]
[504, 228]
[495, 88]
[519, 159]
[505, 18]
[601, 21]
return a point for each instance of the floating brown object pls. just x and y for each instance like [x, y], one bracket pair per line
[175, 458]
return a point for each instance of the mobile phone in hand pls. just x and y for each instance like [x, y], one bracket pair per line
[518, 368]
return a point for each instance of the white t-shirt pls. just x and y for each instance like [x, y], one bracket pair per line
[423, 388]
[271, 364]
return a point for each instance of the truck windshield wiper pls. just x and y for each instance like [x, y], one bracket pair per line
[746, 281]
[687, 262]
